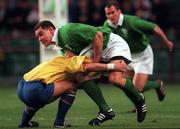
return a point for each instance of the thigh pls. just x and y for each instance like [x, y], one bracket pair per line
[61, 87]
[116, 77]
[129, 73]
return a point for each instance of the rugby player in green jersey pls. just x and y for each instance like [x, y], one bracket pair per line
[77, 37]
[135, 32]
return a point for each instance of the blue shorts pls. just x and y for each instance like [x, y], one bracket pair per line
[35, 94]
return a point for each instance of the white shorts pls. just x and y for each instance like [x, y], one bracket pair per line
[116, 47]
[142, 62]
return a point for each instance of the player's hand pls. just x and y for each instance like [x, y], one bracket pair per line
[120, 66]
[170, 45]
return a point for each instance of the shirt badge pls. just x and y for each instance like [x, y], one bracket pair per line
[125, 32]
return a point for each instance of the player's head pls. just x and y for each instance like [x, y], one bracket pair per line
[112, 12]
[44, 31]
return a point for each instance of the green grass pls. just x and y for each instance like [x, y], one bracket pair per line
[164, 114]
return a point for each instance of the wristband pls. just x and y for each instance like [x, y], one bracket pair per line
[110, 66]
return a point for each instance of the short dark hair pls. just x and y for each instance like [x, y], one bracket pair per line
[44, 24]
[112, 3]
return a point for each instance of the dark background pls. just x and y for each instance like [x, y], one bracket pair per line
[19, 50]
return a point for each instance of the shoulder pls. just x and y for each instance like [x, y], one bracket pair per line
[129, 18]
[106, 23]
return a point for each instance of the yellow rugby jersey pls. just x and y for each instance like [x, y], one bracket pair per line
[57, 69]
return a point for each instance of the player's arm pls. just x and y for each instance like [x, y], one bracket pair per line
[96, 67]
[90, 70]
[159, 32]
[97, 46]
[152, 28]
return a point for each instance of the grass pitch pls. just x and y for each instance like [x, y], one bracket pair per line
[161, 115]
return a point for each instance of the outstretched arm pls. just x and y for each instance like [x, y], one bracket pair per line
[90, 70]
[158, 31]
[95, 67]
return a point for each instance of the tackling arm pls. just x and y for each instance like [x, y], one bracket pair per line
[95, 67]
[92, 68]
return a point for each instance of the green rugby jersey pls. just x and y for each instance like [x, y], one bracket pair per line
[76, 36]
[135, 31]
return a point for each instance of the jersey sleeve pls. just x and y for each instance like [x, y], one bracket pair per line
[143, 26]
[106, 24]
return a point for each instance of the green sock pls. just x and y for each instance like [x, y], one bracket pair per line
[131, 91]
[94, 92]
[150, 85]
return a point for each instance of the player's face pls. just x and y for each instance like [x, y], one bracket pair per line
[44, 35]
[112, 14]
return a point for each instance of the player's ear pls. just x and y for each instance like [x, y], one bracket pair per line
[51, 29]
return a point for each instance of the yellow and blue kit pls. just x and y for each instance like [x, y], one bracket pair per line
[36, 88]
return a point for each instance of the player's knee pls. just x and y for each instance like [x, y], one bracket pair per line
[116, 81]
[139, 87]
[30, 111]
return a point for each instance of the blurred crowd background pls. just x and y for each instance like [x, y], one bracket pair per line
[19, 50]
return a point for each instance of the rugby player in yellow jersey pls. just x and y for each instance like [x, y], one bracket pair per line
[54, 78]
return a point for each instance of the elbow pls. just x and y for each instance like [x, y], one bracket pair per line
[156, 29]
[99, 36]
[98, 40]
